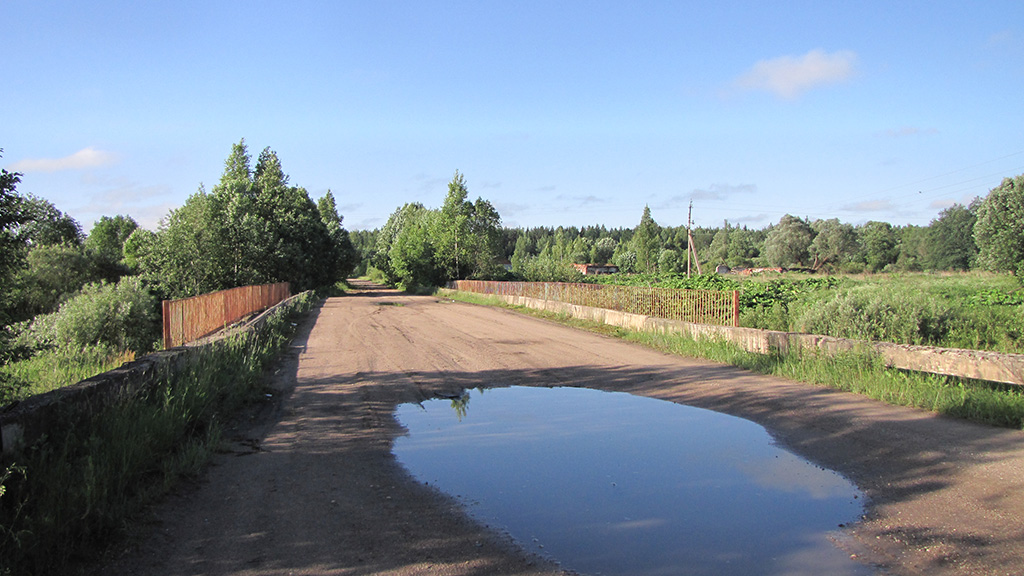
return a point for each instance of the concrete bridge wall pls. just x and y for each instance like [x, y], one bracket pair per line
[991, 366]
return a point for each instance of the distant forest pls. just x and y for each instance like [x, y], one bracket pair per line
[986, 234]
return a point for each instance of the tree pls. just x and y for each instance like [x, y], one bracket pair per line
[485, 238]
[998, 232]
[788, 242]
[834, 243]
[602, 251]
[646, 243]
[12, 248]
[452, 230]
[951, 238]
[347, 256]
[47, 225]
[12, 256]
[252, 228]
[54, 272]
[105, 244]
[880, 245]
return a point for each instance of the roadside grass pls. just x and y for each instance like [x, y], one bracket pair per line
[65, 497]
[859, 372]
[55, 369]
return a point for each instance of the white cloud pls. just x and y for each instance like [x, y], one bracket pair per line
[722, 191]
[871, 206]
[790, 76]
[84, 158]
[908, 131]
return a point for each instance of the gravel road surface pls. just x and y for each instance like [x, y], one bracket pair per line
[308, 484]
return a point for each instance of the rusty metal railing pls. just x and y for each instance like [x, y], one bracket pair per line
[700, 306]
[190, 319]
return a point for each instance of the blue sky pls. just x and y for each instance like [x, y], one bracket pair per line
[559, 113]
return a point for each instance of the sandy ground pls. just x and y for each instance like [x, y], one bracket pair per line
[309, 485]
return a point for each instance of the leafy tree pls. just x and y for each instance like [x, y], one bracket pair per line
[451, 232]
[880, 245]
[834, 243]
[998, 232]
[951, 238]
[252, 228]
[348, 257]
[12, 255]
[718, 251]
[671, 262]
[485, 238]
[105, 244]
[54, 272]
[48, 225]
[410, 215]
[12, 248]
[602, 251]
[412, 251]
[646, 243]
[743, 247]
[788, 243]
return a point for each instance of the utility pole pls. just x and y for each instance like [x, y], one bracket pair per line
[689, 238]
[689, 243]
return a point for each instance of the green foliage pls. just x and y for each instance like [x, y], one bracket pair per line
[998, 232]
[833, 244]
[787, 244]
[252, 228]
[70, 494]
[348, 257]
[951, 238]
[880, 245]
[418, 247]
[451, 230]
[113, 318]
[48, 225]
[878, 313]
[105, 244]
[645, 243]
[54, 273]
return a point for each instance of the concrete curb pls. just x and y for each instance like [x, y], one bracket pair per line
[977, 364]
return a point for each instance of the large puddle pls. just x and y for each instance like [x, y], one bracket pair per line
[611, 483]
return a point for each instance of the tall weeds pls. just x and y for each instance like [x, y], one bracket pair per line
[65, 496]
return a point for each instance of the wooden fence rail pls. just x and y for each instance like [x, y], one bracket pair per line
[701, 306]
[190, 319]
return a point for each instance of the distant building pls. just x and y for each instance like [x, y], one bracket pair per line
[592, 269]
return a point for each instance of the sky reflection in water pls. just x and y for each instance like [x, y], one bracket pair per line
[610, 483]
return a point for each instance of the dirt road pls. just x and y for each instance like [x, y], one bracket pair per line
[311, 487]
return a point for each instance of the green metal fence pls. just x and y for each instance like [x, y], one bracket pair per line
[700, 306]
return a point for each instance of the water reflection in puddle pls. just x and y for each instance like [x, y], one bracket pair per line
[610, 483]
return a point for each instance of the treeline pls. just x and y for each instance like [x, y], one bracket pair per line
[421, 247]
[985, 234]
[94, 297]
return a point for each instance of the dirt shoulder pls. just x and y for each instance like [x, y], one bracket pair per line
[309, 485]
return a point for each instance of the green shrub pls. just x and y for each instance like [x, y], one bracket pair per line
[68, 495]
[877, 312]
[113, 317]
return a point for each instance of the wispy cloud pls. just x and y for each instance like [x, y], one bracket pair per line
[941, 203]
[581, 201]
[722, 191]
[790, 76]
[84, 158]
[712, 192]
[907, 131]
[871, 206]
[751, 219]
